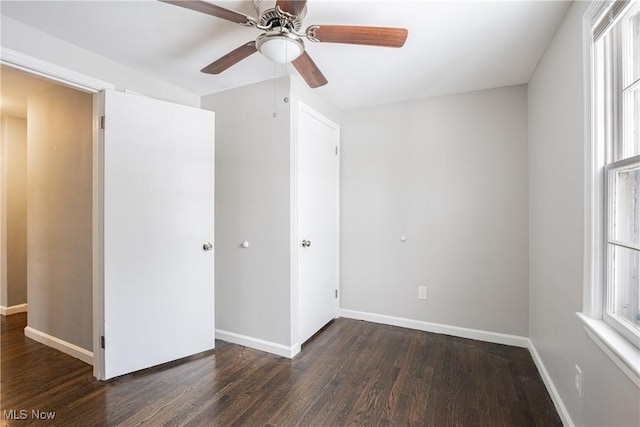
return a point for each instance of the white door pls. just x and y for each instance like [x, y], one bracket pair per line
[318, 172]
[158, 216]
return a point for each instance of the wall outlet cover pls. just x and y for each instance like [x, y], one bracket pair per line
[578, 381]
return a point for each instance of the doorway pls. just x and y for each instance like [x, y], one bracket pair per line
[47, 209]
[170, 200]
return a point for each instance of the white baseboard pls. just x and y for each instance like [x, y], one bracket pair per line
[60, 345]
[551, 388]
[475, 334]
[258, 344]
[438, 328]
[13, 309]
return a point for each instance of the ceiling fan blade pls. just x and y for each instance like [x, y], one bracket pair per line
[294, 7]
[213, 10]
[309, 71]
[371, 36]
[231, 58]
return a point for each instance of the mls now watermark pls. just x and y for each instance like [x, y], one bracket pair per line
[23, 414]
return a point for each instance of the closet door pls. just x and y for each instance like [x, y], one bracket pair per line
[158, 232]
[318, 215]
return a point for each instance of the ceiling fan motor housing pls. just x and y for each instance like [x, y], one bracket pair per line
[275, 18]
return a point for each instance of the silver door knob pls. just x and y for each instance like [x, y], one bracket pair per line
[306, 243]
[207, 246]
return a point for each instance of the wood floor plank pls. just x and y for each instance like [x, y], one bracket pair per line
[352, 373]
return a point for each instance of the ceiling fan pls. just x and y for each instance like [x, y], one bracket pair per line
[282, 40]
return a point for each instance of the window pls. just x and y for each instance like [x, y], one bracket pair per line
[616, 132]
[622, 297]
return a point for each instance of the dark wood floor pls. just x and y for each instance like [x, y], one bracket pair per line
[353, 373]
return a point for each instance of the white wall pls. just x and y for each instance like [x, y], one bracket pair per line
[59, 220]
[252, 204]
[450, 174]
[556, 162]
[35, 43]
[13, 290]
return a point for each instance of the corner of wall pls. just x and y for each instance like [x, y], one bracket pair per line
[253, 300]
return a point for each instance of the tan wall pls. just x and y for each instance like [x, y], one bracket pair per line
[3, 215]
[14, 211]
[3, 222]
[59, 215]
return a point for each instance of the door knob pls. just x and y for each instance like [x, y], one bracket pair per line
[306, 243]
[207, 246]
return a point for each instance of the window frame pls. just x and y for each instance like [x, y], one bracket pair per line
[612, 89]
[620, 350]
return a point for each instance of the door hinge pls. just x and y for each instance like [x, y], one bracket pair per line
[102, 341]
[336, 294]
[336, 150]
[101, 122]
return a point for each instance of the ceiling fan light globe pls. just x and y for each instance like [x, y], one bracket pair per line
[280, 48]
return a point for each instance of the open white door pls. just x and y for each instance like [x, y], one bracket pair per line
[318, 171]
[158, 221]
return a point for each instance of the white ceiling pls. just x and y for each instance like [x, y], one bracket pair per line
[453, 46]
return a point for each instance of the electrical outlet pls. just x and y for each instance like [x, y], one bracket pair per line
[422, 292]
[578, 381]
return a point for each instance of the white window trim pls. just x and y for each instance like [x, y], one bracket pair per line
[624, 354]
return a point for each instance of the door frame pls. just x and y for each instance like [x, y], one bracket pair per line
[84, 83]
[299, 109]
